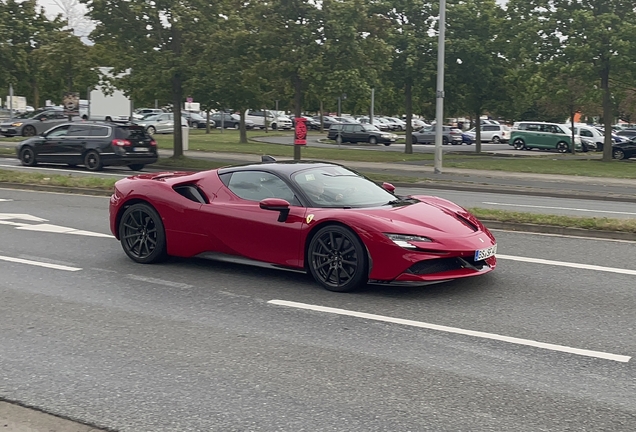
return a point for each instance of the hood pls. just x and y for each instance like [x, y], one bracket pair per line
[428, 218]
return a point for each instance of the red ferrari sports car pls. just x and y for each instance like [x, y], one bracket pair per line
[318, 217]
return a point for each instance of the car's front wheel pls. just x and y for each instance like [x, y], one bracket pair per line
[142, 234]
[618, 154]
[27, 157]
[28, 131]
[562, 147]
[337, 259]
[151, 130]
[519, 144]
[373, 140]
[496, 140]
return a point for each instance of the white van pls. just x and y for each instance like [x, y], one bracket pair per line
[274, 121]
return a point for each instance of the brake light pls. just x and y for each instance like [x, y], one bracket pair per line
[153, 143]
[121, 143]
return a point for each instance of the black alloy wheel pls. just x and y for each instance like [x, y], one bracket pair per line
[142, 234]
[618, 154]
[93, 161]
[27, 157]
[562, 147]
[337, 259]
[136, 167]
[599, 147]
[444, 140]
[496, 140]
[28, 131]
[519, 144]
[274, 126]
[373, 140]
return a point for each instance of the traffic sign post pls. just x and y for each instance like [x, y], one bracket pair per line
[300, 136]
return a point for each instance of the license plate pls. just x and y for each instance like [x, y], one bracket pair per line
[482, 254]
[141, 149]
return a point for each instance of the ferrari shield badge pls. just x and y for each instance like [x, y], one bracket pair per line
[310, 217]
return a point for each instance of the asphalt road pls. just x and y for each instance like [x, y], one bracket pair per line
[195, 345]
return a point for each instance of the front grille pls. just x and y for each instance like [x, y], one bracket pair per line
[440, 265]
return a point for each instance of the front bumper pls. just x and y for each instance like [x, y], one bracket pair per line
[9, 131]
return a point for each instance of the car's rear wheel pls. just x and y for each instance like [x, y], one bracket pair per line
[599, 147]
[28, 131]
[142, 234]
[519, 144]
[496, 139]
[618, 154]
[274, 126]
[337, 259]
[151, 130]
[373, 140]
[562, 147]
[93, 161]
[413, 139]
[237, 126]
[136, 167]
[27, 157]
[444, 140]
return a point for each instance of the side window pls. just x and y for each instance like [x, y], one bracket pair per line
[357, 128]
[557, 129]
[79, 130]
[348, 128]
[58, 132]
[99, 131]
[532, 127]
[586, 133]
[490, 128]
[258, 185]
[255, 113]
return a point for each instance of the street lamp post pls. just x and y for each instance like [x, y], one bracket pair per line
[439, 108]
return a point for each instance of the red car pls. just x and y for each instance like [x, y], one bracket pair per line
[318, 217]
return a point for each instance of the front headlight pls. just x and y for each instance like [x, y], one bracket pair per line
[16, 124]
[403, 240]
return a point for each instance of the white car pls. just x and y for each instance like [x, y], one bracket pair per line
[491, 133]
[274, 120]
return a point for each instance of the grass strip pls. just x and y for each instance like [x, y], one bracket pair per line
[602, 224]
[57, 180]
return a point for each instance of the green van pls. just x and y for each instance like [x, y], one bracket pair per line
[541, 135]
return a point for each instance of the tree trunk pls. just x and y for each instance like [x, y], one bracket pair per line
[607, 112]
[572, 113]
[242, 131]
[177, 92]
[207, 121]
[408, 95]
[322, 120]
[478, 131]
[298, 100]
[36, 94]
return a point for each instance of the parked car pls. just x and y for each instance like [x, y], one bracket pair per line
[376, 122]
[546, 136]
[426, 135]
[92, 144]
[160, 123]
[230, 121]
[327, 121]
[400, 124]
[274, 120]
[630, 134]
[594, 137]
[494, 133]
[346, 120]
[33, 123]
[140, 113]
[624, 150]
[195, 120]
[356, 132]
[321, 218]
[310, 122]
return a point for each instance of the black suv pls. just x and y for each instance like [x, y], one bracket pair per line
[92, 144]
[356, 132]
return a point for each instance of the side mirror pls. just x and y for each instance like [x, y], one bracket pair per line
[276, 204]
[388, 187]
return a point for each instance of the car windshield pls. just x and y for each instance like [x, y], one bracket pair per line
[336, 186]
[368, 127]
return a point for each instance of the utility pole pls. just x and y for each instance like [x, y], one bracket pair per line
[339, 103]
[372, 104]
[439, 109]
[10, 100]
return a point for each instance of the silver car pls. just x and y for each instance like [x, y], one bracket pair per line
[160, 123]
[32, 123]
[426, 135]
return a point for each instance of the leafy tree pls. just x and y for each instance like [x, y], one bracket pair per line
[476, 65]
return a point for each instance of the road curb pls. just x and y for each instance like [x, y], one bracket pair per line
[56, 189]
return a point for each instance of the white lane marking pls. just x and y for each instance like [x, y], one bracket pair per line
[39, 264]
[159, 281]
[5, 199]
[567, 264]
[61, 230]
[81, 173]
[21, 216]
[562, 235]
[559, 208]
[493, 336]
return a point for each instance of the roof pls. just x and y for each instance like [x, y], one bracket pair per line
[285, 168]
